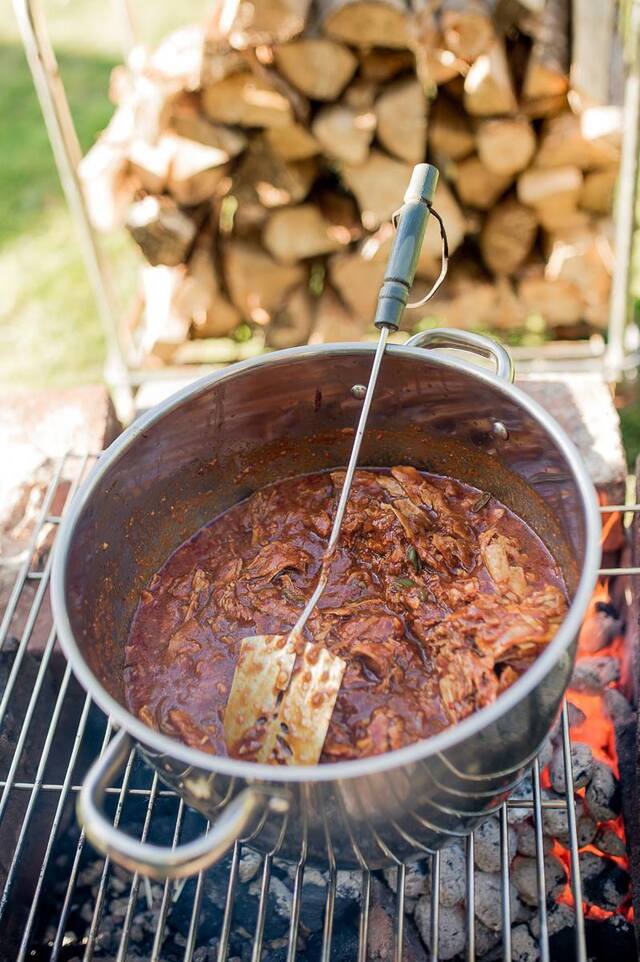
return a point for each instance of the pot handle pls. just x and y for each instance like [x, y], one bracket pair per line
[157, 861]
[439, 337]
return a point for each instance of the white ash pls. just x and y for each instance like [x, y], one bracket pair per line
[526, 840]
[278, 891]
[604, 883]
[487, 856]
[609, 841]
[206, 953]
[349, 886]
[617, 707]
[452, 929]
[554, 820]
[488, 900]
[603, 793]
[249, 865]
[524, 947]
[415, 879]
[452, 875]
[559, 917]
[581, 765]
[525, 878]
[594, 673]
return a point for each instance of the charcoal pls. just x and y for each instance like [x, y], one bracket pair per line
[581, 764]
[575, 715]
[523, 790]
[452, 874]
[554, 820]
[546, 753]
[415, 879]
[618, 708]
[486, 939]
[609, 841]
[452, 929]
[611, 938]
[343, 949]
[586, 829]
[382, 926]
[593, 674]
[524, 947]
[249, 865]
[604, 883]
[525, 879]
[603, 795]
[205, 953]
[489, 900]
[559, 917]
[526, 840]
[487, 845]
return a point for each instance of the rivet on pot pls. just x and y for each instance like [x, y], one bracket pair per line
[358, 391]
[499, 431]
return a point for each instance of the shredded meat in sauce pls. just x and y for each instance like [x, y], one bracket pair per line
[438, 599]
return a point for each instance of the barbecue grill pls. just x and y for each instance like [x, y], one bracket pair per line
[56, 732]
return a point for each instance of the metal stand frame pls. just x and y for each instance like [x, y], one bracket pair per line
[619, 355]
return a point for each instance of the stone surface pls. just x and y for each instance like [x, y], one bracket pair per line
[582, 404]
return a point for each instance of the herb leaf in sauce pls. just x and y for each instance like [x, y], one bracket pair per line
[414, 559]
[482, 501]
[406, 583]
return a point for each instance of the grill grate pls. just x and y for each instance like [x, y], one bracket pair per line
[49, 730]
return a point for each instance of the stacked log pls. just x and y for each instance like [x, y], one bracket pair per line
[257, 161]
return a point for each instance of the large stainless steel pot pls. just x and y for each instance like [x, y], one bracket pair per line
[214, 443]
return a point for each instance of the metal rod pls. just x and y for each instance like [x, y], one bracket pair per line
[470, 901]
[327, 928]
[135, 881]
[576, 881]
[348, 480]
[398, 935]
[505, 884]
[363, 929]
[543, 940]
[165, 902]
[223, 945]
[435, 905]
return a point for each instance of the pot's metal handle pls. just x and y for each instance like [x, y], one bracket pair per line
[158, 861]
[443, 337]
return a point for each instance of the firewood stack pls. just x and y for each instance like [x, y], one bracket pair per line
[257, 161]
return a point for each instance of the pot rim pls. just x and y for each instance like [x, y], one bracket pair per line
[410, 754]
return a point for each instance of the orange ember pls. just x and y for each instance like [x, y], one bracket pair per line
[597, 729]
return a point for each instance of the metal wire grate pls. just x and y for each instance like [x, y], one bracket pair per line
[49, 731]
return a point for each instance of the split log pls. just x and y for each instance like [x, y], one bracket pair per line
[241, 99]
[562, 218]
[295, 233]
[598, 190]
[381, 66]
[402, 120]
[478, 186]
[257, 284]
[163, 232]
[260, 62]
[555, 186]
[357, 277]
[435, 63]
[318, 67]
[488, 87]
[292, 323]
[592, 34]
[262, 180]
[361, 94]
[467, 27]
[333, 322]
[450, 133]
[200, 297]
[292, 143]
[107, 184]
[367, 23]
[250, 24]
[219, 60]
[183, 117]
[165, 326]
[558, 301]
[585, 260]
[378, 185]
[150, 163]
[506, 145]
[547, 73]
[195, 171]
[177, 60]
[467, 299]
[341, 211]
[344, 133]
[571, 140]
[507, 236]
